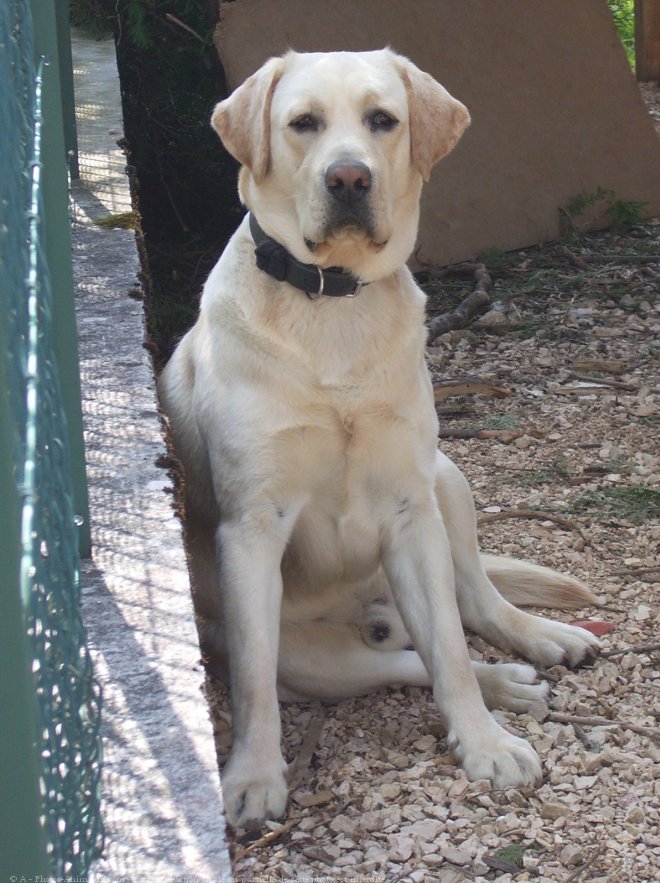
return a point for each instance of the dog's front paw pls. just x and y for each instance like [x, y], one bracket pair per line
[510, 685]
[489, 752]
[253, 793]
[556, 643]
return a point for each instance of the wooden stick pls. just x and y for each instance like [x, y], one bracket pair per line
[636, 648]
[267, 838]
[467, 308]
[581, 390]
[546, 676]
[530, 513]
[453, 410]
[459, 432]
[584, 737]
[475, 432]
[603, 381]
[603, 365]
[559, 717]
[587, 864]
[636, 571]
[504, 435]
[611, 258]
[301, 765]
[443, 389]
[177, 21]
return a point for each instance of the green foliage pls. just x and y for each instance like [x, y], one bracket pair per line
[583, 201]
[558, 470]
[495, 259]
[502, 421]
[623, 13]
[123, 220]
[512, 855]
[623, 215]
[136, 23]
[635, 503]
[510, 858]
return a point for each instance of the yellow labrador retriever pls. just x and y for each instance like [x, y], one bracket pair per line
[327, 535]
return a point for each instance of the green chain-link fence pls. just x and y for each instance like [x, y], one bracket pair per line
[58, 703]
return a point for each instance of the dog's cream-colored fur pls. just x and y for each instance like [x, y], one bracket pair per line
[327, 535]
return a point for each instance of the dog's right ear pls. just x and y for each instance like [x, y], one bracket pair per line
[243, 120]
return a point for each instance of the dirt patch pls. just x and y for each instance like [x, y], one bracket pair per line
[651, 95]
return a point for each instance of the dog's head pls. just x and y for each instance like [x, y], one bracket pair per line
[334, 148]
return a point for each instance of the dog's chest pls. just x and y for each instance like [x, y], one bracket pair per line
[360, 475]
[332, 543]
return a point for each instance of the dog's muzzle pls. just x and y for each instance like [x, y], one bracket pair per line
[348, 185]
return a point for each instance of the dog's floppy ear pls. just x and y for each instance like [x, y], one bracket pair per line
[437, 120]
[243, 120]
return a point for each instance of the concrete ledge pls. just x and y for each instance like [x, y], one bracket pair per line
[162, 803]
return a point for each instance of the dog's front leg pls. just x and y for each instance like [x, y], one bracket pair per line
[417, 560]
[249, 555]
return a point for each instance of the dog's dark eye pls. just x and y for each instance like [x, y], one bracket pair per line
[380, 121]
[306, 122]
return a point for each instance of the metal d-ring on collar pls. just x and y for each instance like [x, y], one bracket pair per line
[321, 291]
[273, 259]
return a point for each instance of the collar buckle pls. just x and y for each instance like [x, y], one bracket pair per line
[358, 289]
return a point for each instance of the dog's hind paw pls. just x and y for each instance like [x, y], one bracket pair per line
[494, 754]
[556, 643]
[251, 794]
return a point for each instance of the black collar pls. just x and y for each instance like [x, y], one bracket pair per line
[275, 260]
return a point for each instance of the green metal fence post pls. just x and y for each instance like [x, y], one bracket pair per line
[58, 255]
[23, 852]
[50, 746]
[66, 84]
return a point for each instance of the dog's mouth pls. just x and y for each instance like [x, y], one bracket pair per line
[350, 229]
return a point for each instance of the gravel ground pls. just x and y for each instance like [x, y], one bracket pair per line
[376, 795]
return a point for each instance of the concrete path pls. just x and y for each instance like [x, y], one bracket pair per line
[162, 804]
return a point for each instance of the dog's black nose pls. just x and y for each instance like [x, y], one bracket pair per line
[348, 181]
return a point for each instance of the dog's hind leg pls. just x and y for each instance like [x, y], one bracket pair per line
[482, 608]
[329, 660]
[332, 661]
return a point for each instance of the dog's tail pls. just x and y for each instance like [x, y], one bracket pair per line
[523, 584]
